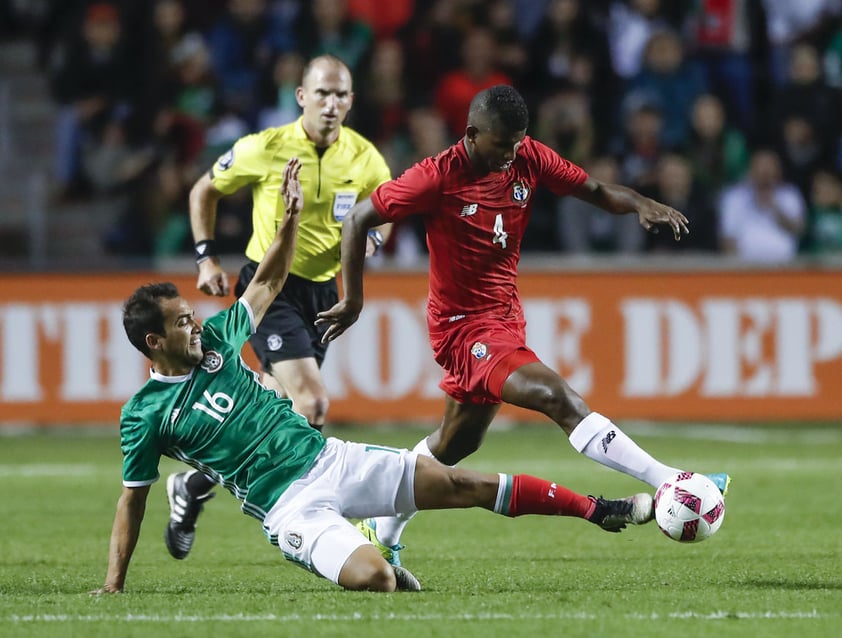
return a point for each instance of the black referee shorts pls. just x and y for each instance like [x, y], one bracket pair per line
[287, 331]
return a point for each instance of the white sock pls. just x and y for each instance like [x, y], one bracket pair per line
[390, 528]
[601, 440]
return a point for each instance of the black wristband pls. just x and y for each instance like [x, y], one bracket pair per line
[204, 249]
[377, 237]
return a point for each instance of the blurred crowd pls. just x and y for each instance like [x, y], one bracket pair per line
[728, 110]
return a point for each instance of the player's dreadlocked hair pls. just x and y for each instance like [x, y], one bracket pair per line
[504, 103]
[142, 313]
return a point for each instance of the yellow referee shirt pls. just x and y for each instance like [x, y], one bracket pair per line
[348, 171]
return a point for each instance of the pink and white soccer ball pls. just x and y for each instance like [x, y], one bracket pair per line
[689, 508]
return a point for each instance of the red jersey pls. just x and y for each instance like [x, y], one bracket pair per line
[475, 223]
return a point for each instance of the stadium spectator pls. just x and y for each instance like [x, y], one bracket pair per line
[717, 152]
[565, 124]
[338, 167]
[762, 218]
[583, 228]
[530, 15]
[804, 117]
[386, 19]
[832, 58]
[802, 151]
[826, 214]
[328, 28]
[433, 38]
[299, 485]
[724, 41]
[790, 23]
[196, 92]
[676, 187]
[478, 71]
[90, 76]
[512, 57]
[630, 26]
[641, 147]
[381, 113]
[243, 43]
[569, 48]
[567, 30]
[669, 82]
[280, 105]
[475, 199]
[155, 31]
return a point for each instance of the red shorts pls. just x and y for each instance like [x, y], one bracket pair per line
[478, 355]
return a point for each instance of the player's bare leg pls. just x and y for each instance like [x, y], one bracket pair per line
[300, 380]
[367, 570]
[461, 432]
[537, 387]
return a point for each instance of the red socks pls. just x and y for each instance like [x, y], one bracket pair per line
[531, 495]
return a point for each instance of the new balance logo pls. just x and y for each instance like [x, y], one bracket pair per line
[607, 441]
[468, 210]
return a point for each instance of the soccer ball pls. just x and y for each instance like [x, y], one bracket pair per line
[689, 508]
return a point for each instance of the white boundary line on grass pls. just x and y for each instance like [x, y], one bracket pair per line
[192, 618]
[48, 469]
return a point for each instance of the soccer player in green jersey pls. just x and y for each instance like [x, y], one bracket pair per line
[204, 406]
[338, 167]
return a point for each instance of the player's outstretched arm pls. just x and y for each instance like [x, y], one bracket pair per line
[355, 227]
[124, 534]
[620, 200]
[273, 269]
[204, 197]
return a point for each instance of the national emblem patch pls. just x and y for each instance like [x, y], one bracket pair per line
[520, 193]
[479, 350]
[212, 361]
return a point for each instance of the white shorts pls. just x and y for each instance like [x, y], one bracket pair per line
[348, 480]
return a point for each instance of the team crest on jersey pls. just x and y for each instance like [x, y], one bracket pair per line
[226, 161]
[212, 361]
[479, 350]
[520, 193]
[274, 342]
[293, 539]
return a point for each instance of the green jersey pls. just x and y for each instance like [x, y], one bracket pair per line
[220, 420]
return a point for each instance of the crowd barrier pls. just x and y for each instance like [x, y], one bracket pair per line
[696, 346]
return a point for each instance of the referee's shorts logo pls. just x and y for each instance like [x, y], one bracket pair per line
[274, 342]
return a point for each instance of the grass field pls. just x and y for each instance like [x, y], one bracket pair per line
[774, 568]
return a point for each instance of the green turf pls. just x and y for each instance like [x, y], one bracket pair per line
[772, 570]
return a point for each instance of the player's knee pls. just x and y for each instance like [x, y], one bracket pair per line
[452, 450]
[313, 408]
[562, 405]
[372, 577]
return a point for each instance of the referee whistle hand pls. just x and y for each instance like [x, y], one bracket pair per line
[212, 279]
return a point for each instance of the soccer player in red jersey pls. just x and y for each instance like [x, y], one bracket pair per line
[475, 198]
